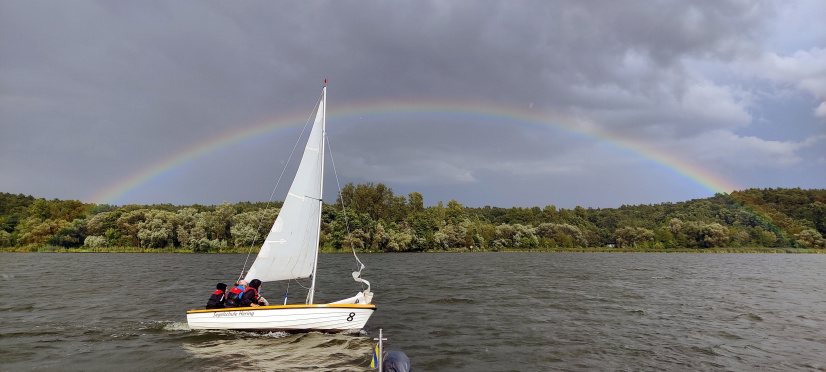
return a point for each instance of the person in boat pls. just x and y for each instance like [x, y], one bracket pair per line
[216, 301]
[234, 295]
[250, 296]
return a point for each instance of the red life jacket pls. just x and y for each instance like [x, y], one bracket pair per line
[237, 291]
[217, 292]
[253, 289]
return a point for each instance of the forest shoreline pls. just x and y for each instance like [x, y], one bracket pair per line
[750, 221]
[54, 249]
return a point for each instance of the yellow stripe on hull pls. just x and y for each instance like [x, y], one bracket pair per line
[284, 307]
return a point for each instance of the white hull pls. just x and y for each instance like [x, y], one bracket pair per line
[290, 318]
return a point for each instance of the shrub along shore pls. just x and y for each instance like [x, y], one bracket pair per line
[749, 221]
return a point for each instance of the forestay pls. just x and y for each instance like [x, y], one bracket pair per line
[291, 248]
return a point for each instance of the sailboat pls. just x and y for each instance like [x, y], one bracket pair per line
[290, 252]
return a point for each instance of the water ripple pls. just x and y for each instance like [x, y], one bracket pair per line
[457, 312]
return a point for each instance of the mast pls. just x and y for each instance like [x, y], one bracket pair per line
[321, 184]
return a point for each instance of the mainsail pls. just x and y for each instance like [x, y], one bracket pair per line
[291, 248]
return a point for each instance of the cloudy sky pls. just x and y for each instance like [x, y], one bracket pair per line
[501, 103]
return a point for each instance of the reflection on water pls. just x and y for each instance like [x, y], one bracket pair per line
[279, 351]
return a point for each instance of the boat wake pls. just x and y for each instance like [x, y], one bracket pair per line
[176, 326]
[281, 351]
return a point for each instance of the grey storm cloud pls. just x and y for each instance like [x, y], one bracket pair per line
[93, 92]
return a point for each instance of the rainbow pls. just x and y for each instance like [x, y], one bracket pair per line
[574, 126]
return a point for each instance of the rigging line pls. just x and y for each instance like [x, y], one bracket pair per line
[298, 283]
[267, 207]
[343, 208]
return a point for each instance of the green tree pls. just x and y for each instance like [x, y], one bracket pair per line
[129, 225]
[34, 231]
[157, 229]
[375, 200]
[96, 241]
[664, 237]
[811, 238]
[416, 202]
[5, 239]
[455, 212]
[550, 214]
[515, 236]
[97, 224]
[715, 235]
[216, 224]
[250, 228]
[70, 235]
[632, 236]
[561, 235]
[451, 236]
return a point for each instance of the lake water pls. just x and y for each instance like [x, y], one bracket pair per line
[447, 312]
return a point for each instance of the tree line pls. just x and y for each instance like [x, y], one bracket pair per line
[379, 220]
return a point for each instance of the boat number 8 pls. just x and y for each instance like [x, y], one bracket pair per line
[350, 318]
